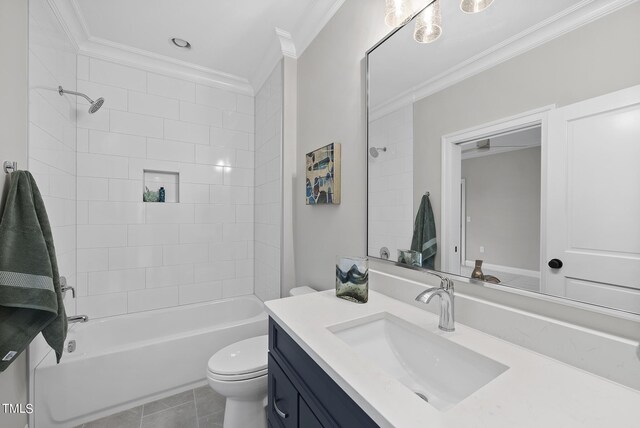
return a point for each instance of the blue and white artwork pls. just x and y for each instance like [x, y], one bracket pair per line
[323, 175]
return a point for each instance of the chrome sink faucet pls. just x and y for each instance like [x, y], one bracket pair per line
[445, 293]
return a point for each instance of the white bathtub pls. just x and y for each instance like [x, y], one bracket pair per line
[124, 361]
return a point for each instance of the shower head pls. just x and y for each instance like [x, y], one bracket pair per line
[95, 105]
[375, 151]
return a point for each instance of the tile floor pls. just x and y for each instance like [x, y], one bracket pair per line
[196, 408]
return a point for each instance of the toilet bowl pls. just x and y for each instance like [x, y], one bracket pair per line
[239, 373]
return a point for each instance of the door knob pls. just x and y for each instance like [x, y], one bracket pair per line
[555, 263]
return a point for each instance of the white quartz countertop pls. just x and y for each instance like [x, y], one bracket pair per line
[536, 391]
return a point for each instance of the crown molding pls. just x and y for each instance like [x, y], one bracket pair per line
[74, 28]
[293, 45]
[96, 47]
[556, 26]
[286, 43]
[70, 17]
[282, 46]
[68, 14]
[272, 56]
[80, 19]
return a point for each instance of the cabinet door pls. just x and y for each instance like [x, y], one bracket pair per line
[283, 398]
[307, 418]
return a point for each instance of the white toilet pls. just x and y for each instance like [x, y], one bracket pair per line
[239, 372]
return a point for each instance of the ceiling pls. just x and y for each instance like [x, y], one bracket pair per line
[401, 65]
[231, 38]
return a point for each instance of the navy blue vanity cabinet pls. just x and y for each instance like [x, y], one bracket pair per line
[301, 394]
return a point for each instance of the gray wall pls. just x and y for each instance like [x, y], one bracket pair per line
[503, 201]
[331, 108]
[13, 146]
[596, 59]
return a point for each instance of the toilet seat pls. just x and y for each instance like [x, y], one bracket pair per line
[243, 360]
[236, 378]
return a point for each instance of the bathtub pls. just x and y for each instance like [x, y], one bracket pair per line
[124, 361]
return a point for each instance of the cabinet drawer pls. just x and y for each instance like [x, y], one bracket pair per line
[282, 406]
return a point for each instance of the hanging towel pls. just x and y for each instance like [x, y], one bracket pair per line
[30, 296]
[424, 234]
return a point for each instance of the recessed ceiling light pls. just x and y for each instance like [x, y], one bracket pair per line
[181, 43]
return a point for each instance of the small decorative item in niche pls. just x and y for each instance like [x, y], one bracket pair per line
[352, 279]
[150, 195]
[323, 175]
[161, 186]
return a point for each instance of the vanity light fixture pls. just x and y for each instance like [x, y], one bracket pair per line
[181, 43]
[474, 6]
[428, 24]
[397, 12]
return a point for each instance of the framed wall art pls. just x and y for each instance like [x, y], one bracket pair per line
[323, 175]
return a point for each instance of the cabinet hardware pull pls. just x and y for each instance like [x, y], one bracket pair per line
[280, 413]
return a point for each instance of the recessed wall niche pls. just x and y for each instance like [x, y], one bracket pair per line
[161, 186]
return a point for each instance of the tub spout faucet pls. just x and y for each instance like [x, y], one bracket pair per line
[77, 318]
[445, 293]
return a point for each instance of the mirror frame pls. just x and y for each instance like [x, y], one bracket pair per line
[479, 285]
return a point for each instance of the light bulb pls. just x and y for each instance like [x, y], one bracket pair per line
[428, 24]
[474, 6]
[396, 12]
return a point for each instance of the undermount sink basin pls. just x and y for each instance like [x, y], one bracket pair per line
[439, 371]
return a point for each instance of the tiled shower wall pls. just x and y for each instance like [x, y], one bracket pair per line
[135, 256]
[391, 211]
[268, 182]
[52, 131]
[52, 140]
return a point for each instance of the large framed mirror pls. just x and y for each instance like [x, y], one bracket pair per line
[504, 146]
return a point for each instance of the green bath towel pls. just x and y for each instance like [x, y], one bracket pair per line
[424, 234]
[30, 296]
